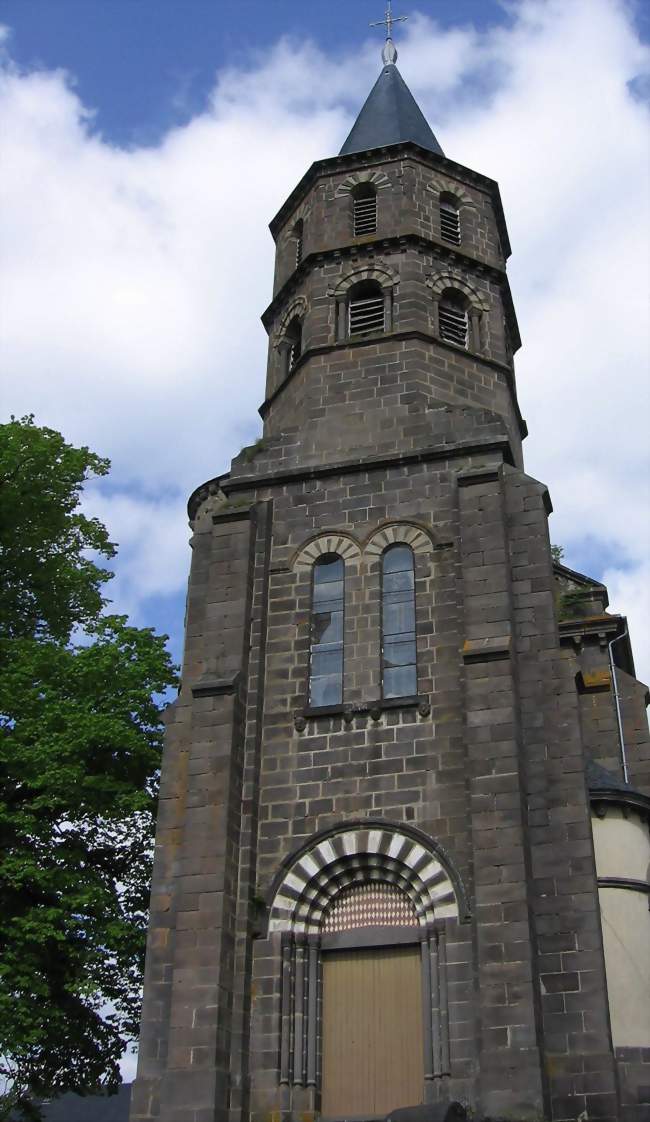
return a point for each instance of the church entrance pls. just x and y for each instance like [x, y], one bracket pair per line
[372, 1031]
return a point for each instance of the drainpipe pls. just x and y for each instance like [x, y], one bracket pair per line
[617, 703]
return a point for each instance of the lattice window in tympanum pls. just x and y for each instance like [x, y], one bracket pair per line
[377, 904]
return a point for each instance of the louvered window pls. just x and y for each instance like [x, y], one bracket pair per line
[453, 323]
[297, 233]
[449, 222]
[366, 314]
[365, 214]
[294, 339]
[326, 654]
[399, 662]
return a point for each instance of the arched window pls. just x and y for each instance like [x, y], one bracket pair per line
[298, 239]
[294, 343]
[453, 318]
[366, 308]
[326, 653]
[398, 653]
[449, 219]
[364, 210]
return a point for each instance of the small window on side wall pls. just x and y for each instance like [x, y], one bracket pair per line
[327, 620]
[449, 219]
[398, 647]
[364, 210]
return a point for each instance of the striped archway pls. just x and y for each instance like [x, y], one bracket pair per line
[363, 853]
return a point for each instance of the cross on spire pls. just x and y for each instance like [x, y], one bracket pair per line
[389, 20]
[389, 53]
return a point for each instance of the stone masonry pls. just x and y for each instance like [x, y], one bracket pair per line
[395, 436]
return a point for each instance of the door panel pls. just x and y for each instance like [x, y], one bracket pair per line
[372, 1031]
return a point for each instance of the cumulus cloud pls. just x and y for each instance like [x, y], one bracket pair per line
[134, 278]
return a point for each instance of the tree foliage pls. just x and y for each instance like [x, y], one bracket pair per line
[80, 743]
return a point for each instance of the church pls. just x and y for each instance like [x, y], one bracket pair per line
[403, 848]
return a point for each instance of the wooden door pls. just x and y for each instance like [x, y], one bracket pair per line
[372, 1031]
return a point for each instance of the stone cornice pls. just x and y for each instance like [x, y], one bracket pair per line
[366, 463]
[414, 333]
[449, 253]
[226, 485]
[387, 155]
[602, 628]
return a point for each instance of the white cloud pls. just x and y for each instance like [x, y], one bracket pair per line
[134, 279]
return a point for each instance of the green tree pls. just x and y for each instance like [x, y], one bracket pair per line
[80, 744]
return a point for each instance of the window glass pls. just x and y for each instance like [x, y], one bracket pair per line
[399, 663]
[326, 656]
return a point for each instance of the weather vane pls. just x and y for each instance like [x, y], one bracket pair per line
[389, 53]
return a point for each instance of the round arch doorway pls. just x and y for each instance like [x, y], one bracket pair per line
[372, 1034]
[358, 907]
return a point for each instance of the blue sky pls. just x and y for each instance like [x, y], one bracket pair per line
[148, 64]
[147, 144]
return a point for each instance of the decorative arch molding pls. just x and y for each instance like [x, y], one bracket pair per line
[302, 213]
[357, 852]
[297, 307]
[384, 276]
[453, 278]
[399, 532]
[442, 187]
[342, 544]
[378, 179]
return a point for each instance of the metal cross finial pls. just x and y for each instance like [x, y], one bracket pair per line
[389, 53]
[389, 20]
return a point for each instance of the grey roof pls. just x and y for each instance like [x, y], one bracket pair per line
[600, 778]
[390, 115]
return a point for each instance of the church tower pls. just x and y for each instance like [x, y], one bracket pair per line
[375, 881]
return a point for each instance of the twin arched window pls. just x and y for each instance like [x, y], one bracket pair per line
[398, 649]
[398, 636]
[327, 620]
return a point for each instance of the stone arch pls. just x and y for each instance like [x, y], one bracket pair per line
[377, 179]
[443, 187]
[358, 852]
[454, 278]
[297, 307]
[384, 276]
[419, 540]
[302, 213]
[342, 544]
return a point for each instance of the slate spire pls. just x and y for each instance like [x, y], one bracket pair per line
[391, 114]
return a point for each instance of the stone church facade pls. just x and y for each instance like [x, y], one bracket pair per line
[402, 853]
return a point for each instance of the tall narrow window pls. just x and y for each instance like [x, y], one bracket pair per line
[326, 656]
[366, 308]
[298, 238]
[294, 341]
[449, 219]
[452, 317]
[399, 662]
[364, 202]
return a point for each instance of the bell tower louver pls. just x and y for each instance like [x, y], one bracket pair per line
[375, 883]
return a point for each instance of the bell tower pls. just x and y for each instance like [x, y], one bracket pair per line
[375, 883]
